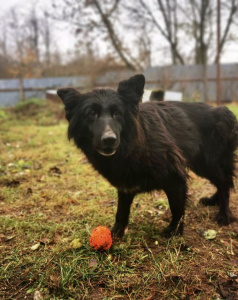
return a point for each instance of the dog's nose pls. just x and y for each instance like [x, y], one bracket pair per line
[109, 137]
[109, 140]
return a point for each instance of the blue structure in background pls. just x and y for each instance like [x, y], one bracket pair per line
[195, 82]
[10, 98]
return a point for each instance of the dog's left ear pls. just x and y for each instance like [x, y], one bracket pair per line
[70, 98]
[66, 94]
[133, 88]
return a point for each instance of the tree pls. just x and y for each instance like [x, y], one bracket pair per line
[33, 28]
[187, 24]
[94, 19]
[24, 45]
[46, 32]
[230, 10]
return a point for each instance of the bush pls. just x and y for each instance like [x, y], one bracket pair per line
[3, 114]
[30, 104]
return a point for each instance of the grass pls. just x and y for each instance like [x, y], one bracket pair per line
[50, 195]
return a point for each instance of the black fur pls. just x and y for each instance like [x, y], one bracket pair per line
[144, 147]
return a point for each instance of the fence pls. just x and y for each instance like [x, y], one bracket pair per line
[196, 82]
[34, 88]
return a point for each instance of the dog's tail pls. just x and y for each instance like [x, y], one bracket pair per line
[227, 127]
[234, 132]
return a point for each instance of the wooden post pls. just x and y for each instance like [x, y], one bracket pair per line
[205, 97]
[21, 89]
[218, 79]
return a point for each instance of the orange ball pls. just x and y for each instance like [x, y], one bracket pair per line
[101, 238]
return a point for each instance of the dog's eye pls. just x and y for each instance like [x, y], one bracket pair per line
[116, 113]
[93, 113]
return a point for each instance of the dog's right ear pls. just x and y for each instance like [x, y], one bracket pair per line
[70, 98]
[132, 89]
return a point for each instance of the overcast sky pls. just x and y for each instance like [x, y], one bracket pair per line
[66, 39]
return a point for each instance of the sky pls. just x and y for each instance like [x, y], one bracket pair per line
[66, 39]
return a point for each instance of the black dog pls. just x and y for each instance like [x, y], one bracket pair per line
[144, 147]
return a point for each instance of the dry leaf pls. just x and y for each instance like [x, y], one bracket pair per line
[35, 247]
[37, 296]
[9, 238]
[25, 272]
[76, 243]
[93, 263]
[2, 237]
[209, 234]
[55, 279]
[71, 200]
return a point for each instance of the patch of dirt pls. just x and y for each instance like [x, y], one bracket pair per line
[10, 182]
[228, 288]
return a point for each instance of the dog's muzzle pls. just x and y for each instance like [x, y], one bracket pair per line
[109, 143]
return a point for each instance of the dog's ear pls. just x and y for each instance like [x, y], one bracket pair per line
[133, 88]
[70, 98]
[67, 95]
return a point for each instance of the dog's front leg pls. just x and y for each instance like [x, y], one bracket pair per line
[123, 212]
[176, 191]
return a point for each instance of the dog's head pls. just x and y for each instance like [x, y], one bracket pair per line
[97, 119]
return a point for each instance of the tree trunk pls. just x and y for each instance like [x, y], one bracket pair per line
[112, 36]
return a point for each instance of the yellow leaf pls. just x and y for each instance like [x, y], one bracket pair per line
[76, 243]
[35, 247]
[210, 234]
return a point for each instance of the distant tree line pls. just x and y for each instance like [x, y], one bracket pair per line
[113, 34]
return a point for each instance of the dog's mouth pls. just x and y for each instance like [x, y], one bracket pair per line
[107, 152]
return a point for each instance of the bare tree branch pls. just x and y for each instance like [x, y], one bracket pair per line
[232, 11]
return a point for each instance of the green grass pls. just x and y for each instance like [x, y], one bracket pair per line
[49, 194]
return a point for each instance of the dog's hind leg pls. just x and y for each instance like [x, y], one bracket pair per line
[222, 178]
[224, 216]
[176, 191]
[210, 201]
[123, 212]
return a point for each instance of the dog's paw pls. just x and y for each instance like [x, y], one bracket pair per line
[172, 231]
[208, 201]
[225, 219]
[118, 230]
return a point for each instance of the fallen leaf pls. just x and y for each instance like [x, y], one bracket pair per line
[9, 238]
[232, 275]
[54, 279]
[76, 243]
[25, 272]
[2, 237]
[209, 234]
[71, 200]
[57, 237]
[10, 165]
[55, 171]
[64, 240]
[109, 257]
[37, 296]
[93, 263]
[35, 247]
[46, 241]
